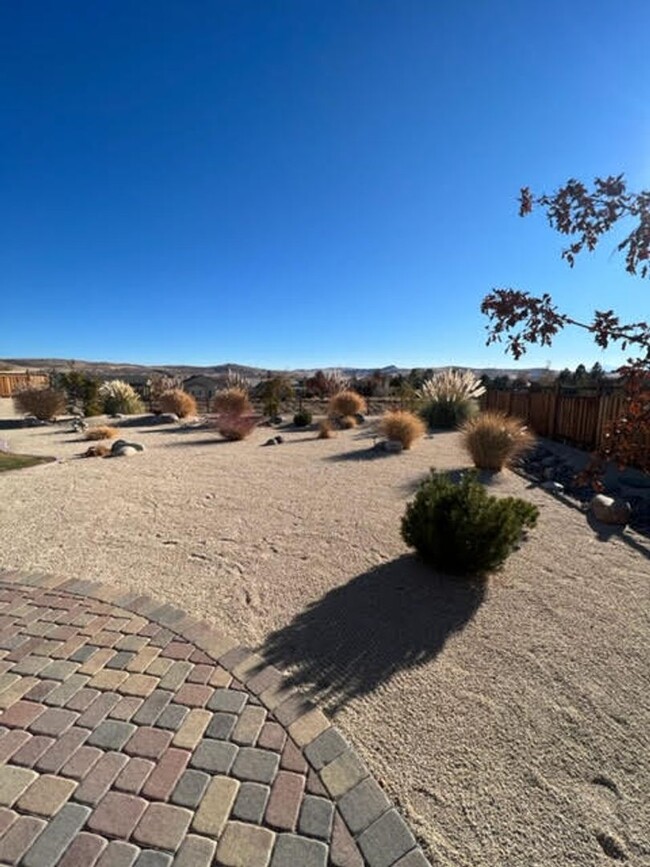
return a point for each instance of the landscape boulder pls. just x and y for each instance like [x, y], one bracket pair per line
[124, 452]
[119, 445]
[610, 511]
[167, 418]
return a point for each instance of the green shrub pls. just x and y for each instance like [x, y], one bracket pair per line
[458, 528]
[302, 418]
[82, 390]
[119, 397]
[448, 414]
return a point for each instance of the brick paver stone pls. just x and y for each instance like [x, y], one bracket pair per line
[133, 776]
[291, 850]
[343, 774]
[194, 694]
[7, 818]
[272, 737]
[292, 758]
[98, 710]
[84, 851]
[111, 734]
[259, 766]
[19, 838]
[386, 840]
[11, 742]
[13, 782]
[192, 729]
[169, 768]
[284, 803]
[53, 722]
[221, 725]
[243, 845]
[251, 802]
[126, 708]
[46, 795]
[151, 858]
[81, 762]
[172, 717]
[316, 815]
[195, 851]
[117, 814]
[190, 788]
[214, 756]
[249, 725]
[21, 714]
[325, 748]
[56, 837]
[118, 854]
[363, 804]
[153, 706]
[227, 700]
[307, 727]
[32, 750]
[343, 849]
[148, 742]
[107, 679]
[210, 818]
[60, 751]
[163, 826]
[138, 684]
[97, 783]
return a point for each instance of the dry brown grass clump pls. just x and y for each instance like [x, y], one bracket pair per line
[236, 427]
[101, 432]
[232, 401]
[325, 430]
[494, 439]
[177, 401]
[44, 403]
[346, 403]
[402, 426]
[97, 452]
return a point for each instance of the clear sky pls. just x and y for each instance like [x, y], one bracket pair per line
[293, 183]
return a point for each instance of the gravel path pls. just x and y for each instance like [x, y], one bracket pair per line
[510, 726]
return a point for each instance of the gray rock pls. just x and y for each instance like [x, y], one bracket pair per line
[610, 511]
[393, 446]
[279, 440]
[124, 452]
[555, 487]
[119, 445]
[167, 418]
[271, 442]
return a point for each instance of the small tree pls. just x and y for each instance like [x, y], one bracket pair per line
[586, 216]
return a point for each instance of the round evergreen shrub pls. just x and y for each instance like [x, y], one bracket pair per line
[458, 528]
[302, 418]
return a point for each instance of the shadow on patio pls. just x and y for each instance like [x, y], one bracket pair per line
[396, 616]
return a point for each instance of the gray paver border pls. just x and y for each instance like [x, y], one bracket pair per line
[306, 723]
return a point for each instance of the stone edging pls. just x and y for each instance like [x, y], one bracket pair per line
[376, 827]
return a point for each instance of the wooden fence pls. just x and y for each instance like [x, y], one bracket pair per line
[10, 383]
[577, 419]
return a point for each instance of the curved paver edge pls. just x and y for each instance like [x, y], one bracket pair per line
[340, 774]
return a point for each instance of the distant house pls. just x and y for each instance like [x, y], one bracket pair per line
[203, 388]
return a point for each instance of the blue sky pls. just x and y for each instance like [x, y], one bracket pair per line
[305, 182]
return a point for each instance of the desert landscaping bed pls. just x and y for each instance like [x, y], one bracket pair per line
[510, 722]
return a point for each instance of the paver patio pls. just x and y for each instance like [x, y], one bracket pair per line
[132, 735]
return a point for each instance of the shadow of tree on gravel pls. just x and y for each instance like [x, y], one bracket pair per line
[394, 617]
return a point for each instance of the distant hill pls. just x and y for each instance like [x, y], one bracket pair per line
[117, 369]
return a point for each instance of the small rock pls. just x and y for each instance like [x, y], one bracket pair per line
[279, 440]
[393, 446]
[610, 511]
[556, 487]
[121, 444]
[167, 418]
[124, 452]
[271, 442]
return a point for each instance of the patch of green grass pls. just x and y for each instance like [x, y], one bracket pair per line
[18, 462]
